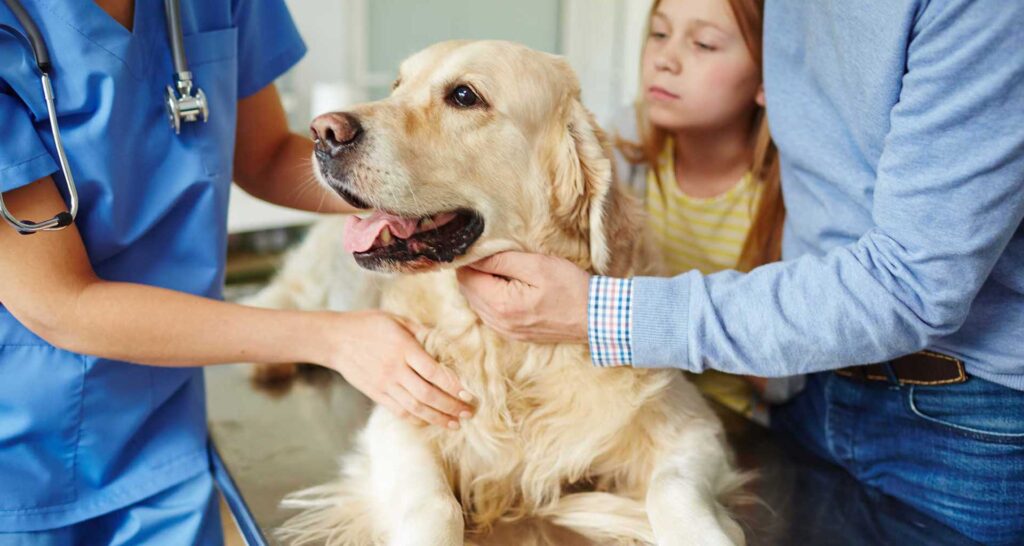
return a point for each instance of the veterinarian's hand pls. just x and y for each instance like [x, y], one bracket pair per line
[529, 297]
[377, 353]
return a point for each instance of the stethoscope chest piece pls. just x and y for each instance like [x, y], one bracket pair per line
[187, 106]
[183, 104]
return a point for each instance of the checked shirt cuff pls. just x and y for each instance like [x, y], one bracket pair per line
[609, 321]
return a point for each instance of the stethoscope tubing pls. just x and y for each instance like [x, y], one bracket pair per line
[34, 37]
[196, 105]
[173, 10]
[42, 58]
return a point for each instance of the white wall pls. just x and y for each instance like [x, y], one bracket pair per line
[602, 40]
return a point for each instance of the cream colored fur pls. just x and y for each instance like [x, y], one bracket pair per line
[619, 456]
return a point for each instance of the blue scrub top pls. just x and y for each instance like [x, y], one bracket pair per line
[79, 435]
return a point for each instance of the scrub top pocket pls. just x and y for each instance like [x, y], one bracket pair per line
[213, 60]
[39, 425]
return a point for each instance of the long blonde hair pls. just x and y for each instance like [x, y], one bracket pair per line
[763, 243]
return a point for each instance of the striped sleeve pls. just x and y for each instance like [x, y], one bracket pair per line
[609, 321]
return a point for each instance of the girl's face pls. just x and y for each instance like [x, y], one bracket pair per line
[697, 72]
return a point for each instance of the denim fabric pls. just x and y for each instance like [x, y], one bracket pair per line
[953, 452]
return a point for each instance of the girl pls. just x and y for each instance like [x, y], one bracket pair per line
[698, 151]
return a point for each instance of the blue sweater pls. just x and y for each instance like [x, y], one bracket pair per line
[900, 124]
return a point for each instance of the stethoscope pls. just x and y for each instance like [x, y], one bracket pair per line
[182, 105]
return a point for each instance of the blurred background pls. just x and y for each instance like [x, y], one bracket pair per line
[355, 47]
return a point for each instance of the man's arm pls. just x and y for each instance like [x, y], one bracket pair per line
[274, 164]
[948, 198]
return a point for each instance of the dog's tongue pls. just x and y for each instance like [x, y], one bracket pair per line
[360, 234]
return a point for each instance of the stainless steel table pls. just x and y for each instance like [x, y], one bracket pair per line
[275, 441]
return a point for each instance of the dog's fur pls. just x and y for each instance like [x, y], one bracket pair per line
[620, 455]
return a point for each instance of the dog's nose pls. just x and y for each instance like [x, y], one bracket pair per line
[336, 131]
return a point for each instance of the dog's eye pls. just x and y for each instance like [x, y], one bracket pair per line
[396, 83]
[463, 96]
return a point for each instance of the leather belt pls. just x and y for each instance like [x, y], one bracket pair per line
[922, 368]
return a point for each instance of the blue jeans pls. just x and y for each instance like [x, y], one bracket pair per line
[953, 452]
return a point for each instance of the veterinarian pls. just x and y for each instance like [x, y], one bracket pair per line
[96, 448]
[899, 126]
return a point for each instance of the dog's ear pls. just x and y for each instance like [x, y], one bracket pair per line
[586, 198]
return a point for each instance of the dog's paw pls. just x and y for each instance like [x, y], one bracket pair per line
[706, 537]
[434, 522]
[699, 530]
[274, 373]
[732, 529]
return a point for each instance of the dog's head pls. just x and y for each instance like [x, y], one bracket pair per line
[481, 147]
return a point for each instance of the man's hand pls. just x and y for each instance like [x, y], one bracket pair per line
[529, 297]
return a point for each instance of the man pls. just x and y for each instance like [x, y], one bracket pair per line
[900, 126]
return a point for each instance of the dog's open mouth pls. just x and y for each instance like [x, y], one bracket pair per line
[384, 238]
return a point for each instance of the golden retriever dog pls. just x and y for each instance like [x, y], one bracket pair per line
[484, 147]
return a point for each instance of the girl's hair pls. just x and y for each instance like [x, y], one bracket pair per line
[764, 240]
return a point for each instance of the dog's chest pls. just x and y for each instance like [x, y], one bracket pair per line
[545, 417]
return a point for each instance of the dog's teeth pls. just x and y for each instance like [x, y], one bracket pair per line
[385, 236]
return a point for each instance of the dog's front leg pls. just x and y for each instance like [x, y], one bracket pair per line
[683, 495]
[413, 502]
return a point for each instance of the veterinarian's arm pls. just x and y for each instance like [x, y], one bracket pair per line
[949, 196]
[48, 284]
[274, 164]
[270, 162]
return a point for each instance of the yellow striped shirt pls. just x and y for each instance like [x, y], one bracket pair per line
[705, 234]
